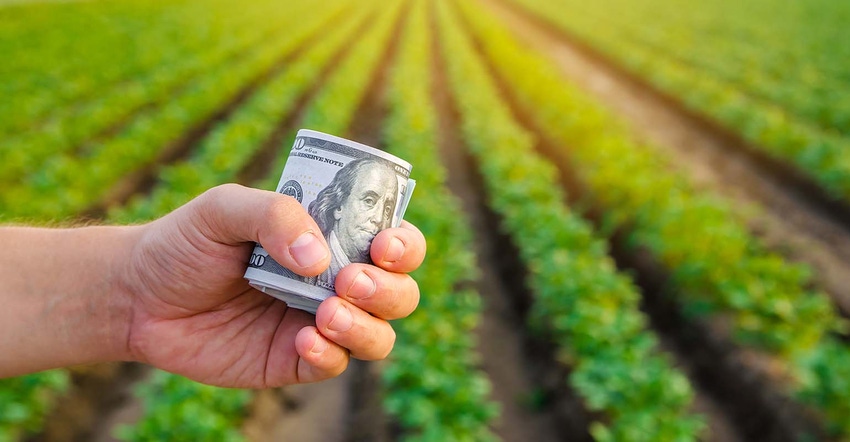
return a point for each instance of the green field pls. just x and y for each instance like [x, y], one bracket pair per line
[587, 277]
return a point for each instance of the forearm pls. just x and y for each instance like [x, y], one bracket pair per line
[62, 300]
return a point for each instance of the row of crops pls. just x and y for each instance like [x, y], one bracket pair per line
[776, 80]
[221, 106]
[720, 270]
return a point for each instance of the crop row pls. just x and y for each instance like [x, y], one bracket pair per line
[231, 145]
[69, 128]
[60, 189]
[789, 72]
[433, 386]
[775, 129]
[120, 41]
[716, 266]
[29, 398]
[590, 309]
[807, 98]
[173, 404]
[223, 153]
[25, 400]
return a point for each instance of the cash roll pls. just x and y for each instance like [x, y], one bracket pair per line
[353, 191]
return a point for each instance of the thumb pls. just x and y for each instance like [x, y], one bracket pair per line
[233, 214]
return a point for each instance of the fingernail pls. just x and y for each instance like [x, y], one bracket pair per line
[319, 345]
[362, 287]
[341, 320]
[307, 250]
[394, 250]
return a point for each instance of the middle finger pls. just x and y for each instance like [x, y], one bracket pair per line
[384, 294]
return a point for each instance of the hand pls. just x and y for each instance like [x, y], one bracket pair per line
[193, 313]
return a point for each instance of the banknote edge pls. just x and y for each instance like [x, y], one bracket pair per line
[368, 149]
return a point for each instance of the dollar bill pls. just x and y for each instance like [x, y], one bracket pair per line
[353, 191]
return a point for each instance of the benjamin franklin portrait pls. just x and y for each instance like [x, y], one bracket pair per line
[351, 210]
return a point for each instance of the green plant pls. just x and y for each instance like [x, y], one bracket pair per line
[786, 109]
[25, 400]
[717, 267]
[179, 409]
[590, 310]
[433, 386]
[176, 407]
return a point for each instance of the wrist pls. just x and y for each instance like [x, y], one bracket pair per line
[120, 294]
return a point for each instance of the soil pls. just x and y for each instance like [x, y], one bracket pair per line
[347, 408]
[144, 178]
[100, 398]
[739, 392]
[531, 388]
[308, 412]
[260, 165]
[788, 213]
[174, 91]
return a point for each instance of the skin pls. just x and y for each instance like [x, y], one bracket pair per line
[366, 211]
[170, 293]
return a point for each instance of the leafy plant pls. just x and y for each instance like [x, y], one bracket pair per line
[433, 386]
[68, 128]
[787, 109]
[60, 189]
[591, 311]
[718, 268]
[179, 409]
[25, 400]
[176, 407]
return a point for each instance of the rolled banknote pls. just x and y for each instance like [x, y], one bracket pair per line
[353, 191]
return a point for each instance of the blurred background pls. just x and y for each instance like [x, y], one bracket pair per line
[637, 212]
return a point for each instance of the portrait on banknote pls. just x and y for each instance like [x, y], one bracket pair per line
[356, 205]
[353, 192]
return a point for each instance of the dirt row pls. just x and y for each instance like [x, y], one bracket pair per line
[740, 391]
[100, 398]
[531, 388]
[529, 385]
[142, 180]
[735, 393]
[785, 209]
[347, 408]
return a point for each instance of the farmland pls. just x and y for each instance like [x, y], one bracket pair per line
[635, 232]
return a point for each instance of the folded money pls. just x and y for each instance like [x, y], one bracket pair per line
[353, 191]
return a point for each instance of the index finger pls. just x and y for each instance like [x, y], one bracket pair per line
[400, 249]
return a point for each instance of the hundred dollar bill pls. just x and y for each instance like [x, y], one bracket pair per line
[353, 191]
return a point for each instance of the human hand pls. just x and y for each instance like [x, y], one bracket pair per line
[194, 314]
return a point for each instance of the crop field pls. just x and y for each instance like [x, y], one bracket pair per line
[637, 213]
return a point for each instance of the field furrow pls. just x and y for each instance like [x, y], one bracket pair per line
[762, 121]
[593, 313]
[637, 216]
[173, 402]
[68, 131]
[764, 301]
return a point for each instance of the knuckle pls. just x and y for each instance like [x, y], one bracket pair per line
[210, 201]
[221, 191]
[281, 207]
[278, 207]
[208, 205]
